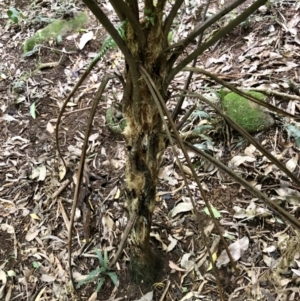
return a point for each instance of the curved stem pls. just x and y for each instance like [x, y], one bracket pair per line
[120, 5]
[201, 28]
[103, 19]
[171, 16]
[188, 80]
[220, 34]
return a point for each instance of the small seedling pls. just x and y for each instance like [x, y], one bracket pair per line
[100, 273]
[14, 15]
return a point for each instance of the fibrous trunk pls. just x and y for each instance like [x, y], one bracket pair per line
[145, 147]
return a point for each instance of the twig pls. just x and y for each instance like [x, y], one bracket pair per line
[185, 117]
[275, 93]
[171, 16]
[126, 233]
[165, 291]
[64, 215]
[120, 5]
[60, 189]
[61, 112]
[103, 19]
[49, 65]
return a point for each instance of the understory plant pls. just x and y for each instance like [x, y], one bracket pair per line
[101, 273]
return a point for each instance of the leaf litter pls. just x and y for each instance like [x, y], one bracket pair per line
[34, 225]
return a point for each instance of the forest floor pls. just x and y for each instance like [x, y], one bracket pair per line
[36, 197]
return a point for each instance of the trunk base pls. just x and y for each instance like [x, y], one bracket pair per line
[145, 266]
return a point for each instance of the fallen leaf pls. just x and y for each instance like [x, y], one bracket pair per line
[146, 297]
[236, 250]
[43, 173]
[35, 216]
[47, 278]
[50, 128]
[32, 234]
[173, 243]
[173, 266]
[86, 37]
[238, 160]
[292, 163]
[181, 207]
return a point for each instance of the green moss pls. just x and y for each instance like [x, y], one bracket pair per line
[55, 29]
[247, 114]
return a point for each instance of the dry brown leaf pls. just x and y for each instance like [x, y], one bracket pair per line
[174, 266]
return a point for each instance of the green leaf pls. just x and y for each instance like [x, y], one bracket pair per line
[100, 257]
[294, 131]
[100, 283]
[31, 52]
[114, 277]
[90, 277]
[35, 264]
[152, 20]
[59, 39]
[33, 110]
[14, 14]
[216, 213]
[200, 114]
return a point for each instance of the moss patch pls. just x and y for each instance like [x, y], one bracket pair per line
[55, 29]
[252, 117]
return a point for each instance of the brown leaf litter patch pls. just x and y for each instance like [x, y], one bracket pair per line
[34, 225]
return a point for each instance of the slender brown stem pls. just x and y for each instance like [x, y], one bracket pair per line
[164, 111]
[185, 117]
[171, 16]
[248, 137]
[103, 19]
[200, 29]
[126, 233]
[188, 80]
[81, 167]
[133, 4]
[132, 19]
[220, 34]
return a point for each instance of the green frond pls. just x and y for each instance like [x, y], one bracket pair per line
[109, 43]
[114, 277]
[100, 257]
[200, 114]
[294, 131]
[90, 277]
[100, 284]
[202, 129]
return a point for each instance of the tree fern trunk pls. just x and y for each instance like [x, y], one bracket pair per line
[144, 149]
